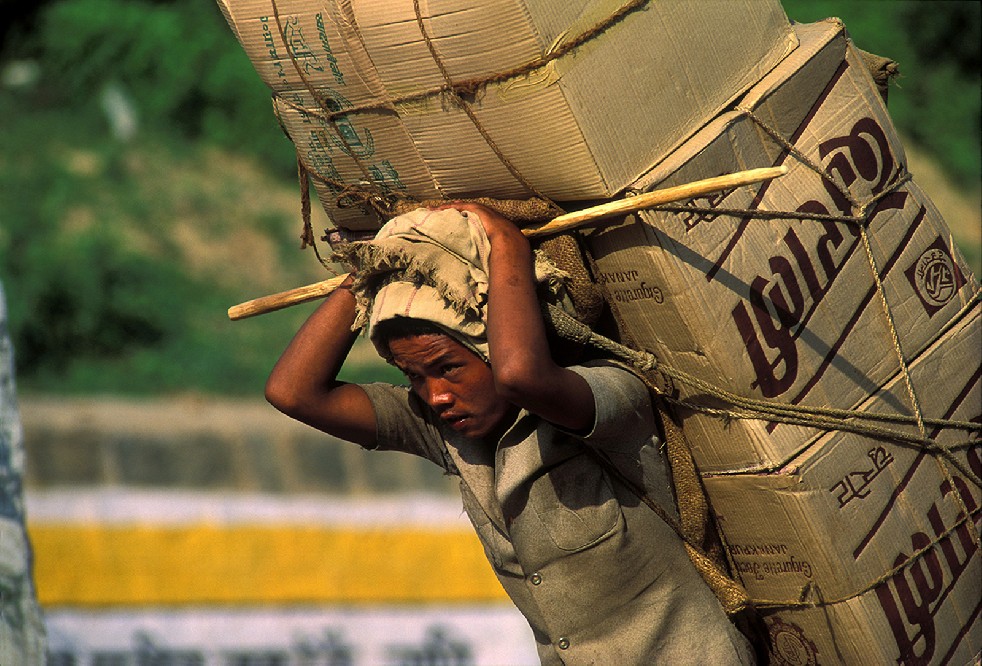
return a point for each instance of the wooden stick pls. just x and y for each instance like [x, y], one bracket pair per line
[562, 223]
[285, 299]
[656, 198]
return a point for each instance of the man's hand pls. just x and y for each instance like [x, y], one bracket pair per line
[496, 226]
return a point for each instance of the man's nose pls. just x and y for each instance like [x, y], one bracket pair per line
[438, 393]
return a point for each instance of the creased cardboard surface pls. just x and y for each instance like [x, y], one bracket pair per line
[857, 548]
[788, 309]
[581, 126]
[868, 494]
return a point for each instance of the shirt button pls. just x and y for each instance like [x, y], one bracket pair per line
[535, 578]
[563, 643]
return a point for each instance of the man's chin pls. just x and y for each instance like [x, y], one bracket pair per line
[469, 427]
[483, 427]
[473, 428]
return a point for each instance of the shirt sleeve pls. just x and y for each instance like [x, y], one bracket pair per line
[624, 417]
[402, 424]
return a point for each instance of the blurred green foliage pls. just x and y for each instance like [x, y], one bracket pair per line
[177, 60]
[936, 101]
[90, 310]
[99, 298]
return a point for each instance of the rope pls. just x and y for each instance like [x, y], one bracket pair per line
[386, 204]
[812, 589]
[463, 105]
[908, 381]
[307, 235]
[731, 594]
[824, 418]
[366, 193]
[693, 528]
[729, 591]
[472, 87]
[304, 172]
[322, 101]
[759, 214]
[793, 150]
[862, 209]
[863, 423]
[563, 250]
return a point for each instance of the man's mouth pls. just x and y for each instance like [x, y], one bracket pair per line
[454, 420]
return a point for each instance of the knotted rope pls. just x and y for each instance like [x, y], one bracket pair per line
[388, 203]
[874, 425]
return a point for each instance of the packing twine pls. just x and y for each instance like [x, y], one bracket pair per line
[811, 596]
[465, 106]
[705, 553]
[824, 418]
[731, 594]
[388, 203]
[861, 209]
[708, 555]
[460, 90]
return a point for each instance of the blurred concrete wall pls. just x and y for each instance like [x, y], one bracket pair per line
[203, 444]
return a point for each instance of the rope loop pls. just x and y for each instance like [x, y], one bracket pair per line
[366, 194]
[458, 95]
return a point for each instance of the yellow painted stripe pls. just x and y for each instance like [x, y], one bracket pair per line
[111, 565]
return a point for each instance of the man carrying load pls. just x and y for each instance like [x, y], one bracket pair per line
[452, 298]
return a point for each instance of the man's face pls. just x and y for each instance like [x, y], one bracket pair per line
[454, 381]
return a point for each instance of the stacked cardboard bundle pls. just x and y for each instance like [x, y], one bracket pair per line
[835, 287]
[833, 290]
[570, 123]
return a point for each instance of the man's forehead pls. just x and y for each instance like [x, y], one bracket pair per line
[425, 349]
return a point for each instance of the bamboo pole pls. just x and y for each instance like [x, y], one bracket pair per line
[559, 224]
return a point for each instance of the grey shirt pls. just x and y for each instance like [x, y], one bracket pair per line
[599, 576]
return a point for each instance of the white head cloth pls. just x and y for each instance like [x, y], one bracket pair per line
[432, 266]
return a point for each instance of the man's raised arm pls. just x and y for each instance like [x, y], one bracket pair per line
[523, 368]
[304, 384]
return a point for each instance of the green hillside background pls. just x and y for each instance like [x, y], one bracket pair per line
[145, 185]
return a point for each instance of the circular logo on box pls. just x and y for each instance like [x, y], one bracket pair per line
[790, 646]
[935, 277]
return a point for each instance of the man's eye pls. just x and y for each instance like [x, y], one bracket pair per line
[449, 369]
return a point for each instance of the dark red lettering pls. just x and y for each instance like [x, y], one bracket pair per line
[770, 383]
[804, 263]
[915, 648]
[860, 158]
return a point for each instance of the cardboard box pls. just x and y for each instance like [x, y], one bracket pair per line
[583, 125]
[888, 625]
[877, 540]
[787, 309]
[874, 531]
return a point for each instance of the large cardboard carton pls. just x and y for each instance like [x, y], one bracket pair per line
[579, 125]
[859, 549]
[882, 536]
[778, 308]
